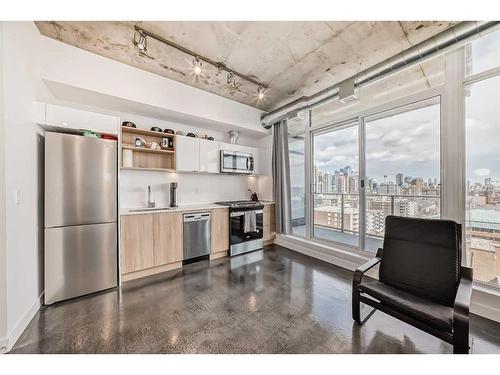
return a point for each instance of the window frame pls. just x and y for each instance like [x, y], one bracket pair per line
[465, 82]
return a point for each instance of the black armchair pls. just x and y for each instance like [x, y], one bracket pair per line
[421, 280]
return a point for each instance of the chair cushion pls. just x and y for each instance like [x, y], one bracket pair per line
[422, 309]
[422, 256]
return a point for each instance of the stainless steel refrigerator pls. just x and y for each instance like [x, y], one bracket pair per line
[80, 215]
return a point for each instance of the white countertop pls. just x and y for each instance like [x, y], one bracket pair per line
[180, 208]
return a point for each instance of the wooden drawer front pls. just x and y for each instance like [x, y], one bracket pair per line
[137, 242]
[220, 229]
[167, 238]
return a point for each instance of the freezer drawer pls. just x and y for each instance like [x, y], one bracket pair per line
[80, 180]
[79, 260]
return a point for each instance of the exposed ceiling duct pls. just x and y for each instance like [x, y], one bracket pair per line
[451, 38]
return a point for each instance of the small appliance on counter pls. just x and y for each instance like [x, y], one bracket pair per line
[173, 194]
[254, 197]
[246, 231]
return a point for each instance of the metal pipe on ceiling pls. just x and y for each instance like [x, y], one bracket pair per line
[447, 40]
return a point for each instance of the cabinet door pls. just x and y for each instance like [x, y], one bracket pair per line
[187, 154]
[167, 238]
[209, 156]
[220, 229]
[256, 160]
[78, 119]
[269, 222]
[137, 251]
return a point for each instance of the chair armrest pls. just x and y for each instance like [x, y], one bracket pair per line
[464, 294]
[360, 271]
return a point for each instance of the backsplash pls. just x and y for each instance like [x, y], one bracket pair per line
[192, 188]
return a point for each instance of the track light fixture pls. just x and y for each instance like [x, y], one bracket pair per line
[260, 92]
[198, 60]
[197, 64]
[140, 41]
[231, 79]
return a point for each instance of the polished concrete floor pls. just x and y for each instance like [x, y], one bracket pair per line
[275, 301]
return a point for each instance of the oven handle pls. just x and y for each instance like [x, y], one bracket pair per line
[241, 213]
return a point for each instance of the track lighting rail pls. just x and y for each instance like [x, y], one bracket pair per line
[219, 65]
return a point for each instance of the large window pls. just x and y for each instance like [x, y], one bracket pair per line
[402, 167]
[482, 204]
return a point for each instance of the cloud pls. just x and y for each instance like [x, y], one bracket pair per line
[482, 172]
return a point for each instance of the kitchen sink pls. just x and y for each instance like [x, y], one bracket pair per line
[145, 209]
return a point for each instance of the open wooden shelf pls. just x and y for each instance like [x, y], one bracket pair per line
[149, 133]
[147, 159]
[148, 169]
[144, 149]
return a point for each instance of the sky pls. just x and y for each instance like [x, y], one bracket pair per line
[406, 143]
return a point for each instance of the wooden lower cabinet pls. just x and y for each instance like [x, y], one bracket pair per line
[137, 250]
[167, 238]
[150, 244]
[219, 232]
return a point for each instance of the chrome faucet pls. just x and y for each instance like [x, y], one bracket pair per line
[151, 204]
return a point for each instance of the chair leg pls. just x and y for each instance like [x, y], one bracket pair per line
[461, 337]
[356, 307]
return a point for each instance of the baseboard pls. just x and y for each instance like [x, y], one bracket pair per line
[9, 341]
[339, 258]
[485, 303]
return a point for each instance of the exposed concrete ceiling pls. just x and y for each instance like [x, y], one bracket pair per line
[292, 58]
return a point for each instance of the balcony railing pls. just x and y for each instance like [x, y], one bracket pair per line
[345, 208]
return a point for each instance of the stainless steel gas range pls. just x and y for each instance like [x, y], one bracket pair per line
[245, 226]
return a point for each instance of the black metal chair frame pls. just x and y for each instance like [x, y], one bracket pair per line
[460, 336]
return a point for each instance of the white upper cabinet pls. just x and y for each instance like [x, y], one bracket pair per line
[257, 169]
[187, 154]
[76, 119]
[209, 156]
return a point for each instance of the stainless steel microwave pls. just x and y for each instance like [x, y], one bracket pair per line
[236, 162]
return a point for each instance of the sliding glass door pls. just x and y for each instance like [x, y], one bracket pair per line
[402, 153]
[384, 162]
[335, 184]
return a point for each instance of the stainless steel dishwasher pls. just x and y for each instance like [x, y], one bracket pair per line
[196, 235]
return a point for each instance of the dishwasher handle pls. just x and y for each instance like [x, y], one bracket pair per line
[196, 217]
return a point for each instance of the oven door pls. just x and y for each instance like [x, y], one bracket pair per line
[236, 162]
[237, 227]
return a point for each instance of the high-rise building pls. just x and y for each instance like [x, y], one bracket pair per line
[399, 179]
[408, 179]
[387, 188]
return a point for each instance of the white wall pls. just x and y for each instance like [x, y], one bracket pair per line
[3, 274]
[28, 60]
[23, 145]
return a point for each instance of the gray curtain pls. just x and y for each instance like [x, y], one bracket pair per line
[281, 178]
